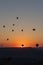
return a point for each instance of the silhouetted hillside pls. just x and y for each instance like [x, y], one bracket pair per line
[21, 56]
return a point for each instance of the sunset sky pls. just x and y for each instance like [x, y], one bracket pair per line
[30, 13]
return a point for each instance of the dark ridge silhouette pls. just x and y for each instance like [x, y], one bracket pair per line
[21, 56]
[6, 61]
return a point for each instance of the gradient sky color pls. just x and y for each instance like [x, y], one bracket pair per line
[30, 13]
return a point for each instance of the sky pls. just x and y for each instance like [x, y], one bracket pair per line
[30, 13]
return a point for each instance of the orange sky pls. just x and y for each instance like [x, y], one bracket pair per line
[30, 15]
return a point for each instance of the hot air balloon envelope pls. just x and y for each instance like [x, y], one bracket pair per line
[13, 24]
[12, 30]
[17, 17]
[22, 30]
[3, 26]
[7, 39]
[22, 45]
[33, 29]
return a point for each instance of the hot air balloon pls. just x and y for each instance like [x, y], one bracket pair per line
[3, 26]
[37, 45]
[34, 29]
[12, 30]
[13, 24]
[22, 45]
[7, 39]
[17, 18]
[22, 30]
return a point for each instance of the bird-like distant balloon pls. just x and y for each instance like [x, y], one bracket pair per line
[3, 26]
[12, 30]
[7, 39]
[22, 45]
[22, 30]
[13, 24]
[34, 29]
[17, 18]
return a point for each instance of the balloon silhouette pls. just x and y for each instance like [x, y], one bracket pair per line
[22, 30]
[3, 26]
[13, 24]
[37, 45]
[7, 39]
[17, 17]
[22, 45]
[34, 29]
[12, 30]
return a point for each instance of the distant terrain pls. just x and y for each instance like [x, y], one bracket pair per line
[21, 56]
